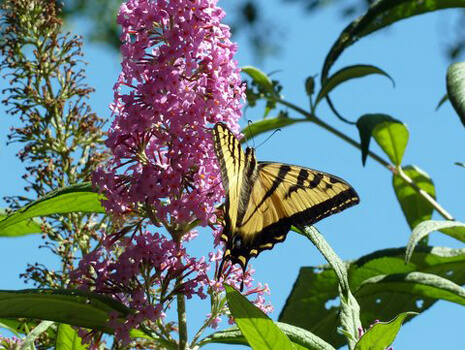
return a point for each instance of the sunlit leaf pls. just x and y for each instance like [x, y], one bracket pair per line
[452, 228]
[68, 339]
[420, 284]
[414, 206]
[259, 330]
[365, 125]
[28, 342]
[76, 198]
[382, 334]
[259, 78]
[22, 228]
[265, 125]
[300, 338]
[392, 137]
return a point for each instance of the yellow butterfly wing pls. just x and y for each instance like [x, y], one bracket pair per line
[286, 195]
[231, 158]
[264, 199]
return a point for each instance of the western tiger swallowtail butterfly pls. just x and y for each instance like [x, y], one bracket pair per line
[264, 199]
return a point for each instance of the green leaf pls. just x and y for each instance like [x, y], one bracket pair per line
[68, 339]
[260, 78]
[22, 228]
[365, 125]
[265, 125]
[74, 307]
[10, 325]
[460, 164]
[350, 309]
[28, 342]
[313, 303]
[419, 284]
[456, 88]
[442, 101]
[414, 206]
[76, 198]
[381, 14]
[382, 334]
[300, 338]
[452, 228]
[259, 330]
[348, 73]
[392, 137]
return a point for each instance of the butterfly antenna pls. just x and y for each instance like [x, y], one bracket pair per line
[269, 137]
[249, 122]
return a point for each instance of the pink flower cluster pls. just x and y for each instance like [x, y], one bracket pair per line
[10, 343]
[162, 262]
[178, 77]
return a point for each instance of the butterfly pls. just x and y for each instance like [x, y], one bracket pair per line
[264, 199]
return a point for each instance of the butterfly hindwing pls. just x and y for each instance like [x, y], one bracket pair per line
[264, 199]
[305, 195]
[286, 195]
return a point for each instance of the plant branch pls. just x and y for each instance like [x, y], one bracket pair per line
[182, 320]
[397, 171]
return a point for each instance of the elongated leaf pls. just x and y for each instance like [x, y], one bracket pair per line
[348, 73]
[382, 334]
[452, 228]
[68, 339]
[381, 14]
[419, 284]
[259, 78]
[71, 199]
[265, 125]
[414, 206]
[314, 304]
[22, 228]
[10, 325]
[28, 343]
[18, 327]
[350, 310]
[456, 88]
[365, 125]
[392, 137]
[300, 338]
[259, 330]
[74, 307]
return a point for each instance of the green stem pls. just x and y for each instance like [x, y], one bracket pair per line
[182, 320]
[350, 310]
[332, 130]
[312, 118]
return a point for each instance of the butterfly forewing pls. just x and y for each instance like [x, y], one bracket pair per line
[231, 158]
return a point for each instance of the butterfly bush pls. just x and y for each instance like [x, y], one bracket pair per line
[178, 78]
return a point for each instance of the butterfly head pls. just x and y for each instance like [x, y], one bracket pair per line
[250, 155]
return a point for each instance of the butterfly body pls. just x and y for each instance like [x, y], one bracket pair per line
[264, 199]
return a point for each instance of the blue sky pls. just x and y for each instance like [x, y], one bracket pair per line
[412, 53]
